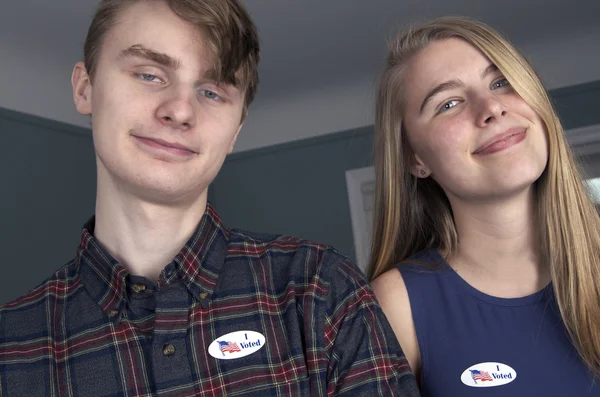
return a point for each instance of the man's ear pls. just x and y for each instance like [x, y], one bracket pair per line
[232, 145]
[418, 167]
[82, 89]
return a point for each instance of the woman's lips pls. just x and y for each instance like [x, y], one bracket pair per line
[502, 141]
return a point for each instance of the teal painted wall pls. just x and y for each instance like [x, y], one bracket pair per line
[577, 105]
[299, 188]
[48, 191]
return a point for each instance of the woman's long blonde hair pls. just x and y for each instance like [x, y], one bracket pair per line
[414, 214]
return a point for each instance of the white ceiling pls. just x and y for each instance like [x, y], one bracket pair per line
[311, 42]
[310, 48]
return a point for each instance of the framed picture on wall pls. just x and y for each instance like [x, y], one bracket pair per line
[360, 183]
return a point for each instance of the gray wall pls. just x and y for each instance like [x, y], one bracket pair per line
[48, 190]
[299, 188]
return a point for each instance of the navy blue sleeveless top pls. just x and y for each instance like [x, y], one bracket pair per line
[473, 344]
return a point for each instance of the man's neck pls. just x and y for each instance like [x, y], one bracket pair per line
[144, 236]
[498, 249]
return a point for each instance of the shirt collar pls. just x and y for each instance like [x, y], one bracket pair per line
[200, 260]
[197, 265]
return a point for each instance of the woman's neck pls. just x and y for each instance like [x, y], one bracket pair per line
[498, 249]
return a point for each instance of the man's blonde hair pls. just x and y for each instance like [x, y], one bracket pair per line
[230, 32]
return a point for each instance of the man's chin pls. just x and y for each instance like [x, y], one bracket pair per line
[164, 190]
[169, 192]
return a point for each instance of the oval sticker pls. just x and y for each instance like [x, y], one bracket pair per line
[236, 345]
[488, 375]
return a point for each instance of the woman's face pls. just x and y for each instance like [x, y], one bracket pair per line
[468, 129]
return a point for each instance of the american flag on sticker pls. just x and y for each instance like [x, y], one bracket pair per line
[480, 375]
[230, 347]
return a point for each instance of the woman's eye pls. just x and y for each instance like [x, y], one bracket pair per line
[449, 105]
[500, 83]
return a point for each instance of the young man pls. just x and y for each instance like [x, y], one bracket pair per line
[162, 298]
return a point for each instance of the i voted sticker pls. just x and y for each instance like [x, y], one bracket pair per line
[236, 345]
[488, 375]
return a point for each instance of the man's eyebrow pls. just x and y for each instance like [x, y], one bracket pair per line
[212, 75]
[445, 86]
[139, 51]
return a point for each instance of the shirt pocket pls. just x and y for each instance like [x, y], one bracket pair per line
[299, 387]
[256, 375]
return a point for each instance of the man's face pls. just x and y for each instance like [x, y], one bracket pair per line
[162, 126]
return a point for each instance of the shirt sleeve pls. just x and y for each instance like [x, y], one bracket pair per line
[365, 358]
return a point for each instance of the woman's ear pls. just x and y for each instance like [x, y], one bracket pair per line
[418, 167]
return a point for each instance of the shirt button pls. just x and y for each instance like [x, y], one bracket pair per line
[203, 295]
[168, 350]
[138, 287]
[113, 313]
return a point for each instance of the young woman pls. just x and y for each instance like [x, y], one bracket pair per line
[486, 243]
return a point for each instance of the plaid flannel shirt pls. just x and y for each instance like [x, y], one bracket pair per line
[93, 329]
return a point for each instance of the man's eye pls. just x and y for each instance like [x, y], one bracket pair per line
[210, 95]
[149, 77]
